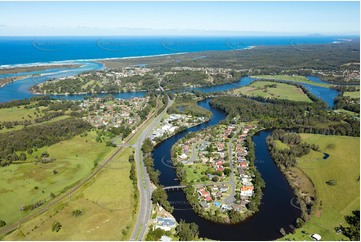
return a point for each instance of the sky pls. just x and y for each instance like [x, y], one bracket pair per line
[178, 18]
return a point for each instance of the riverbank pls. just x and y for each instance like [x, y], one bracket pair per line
[285, 148]
[8, 80]
[33, 67]
[331, 176]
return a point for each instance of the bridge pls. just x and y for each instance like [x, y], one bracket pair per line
[173, 188]
[180, 187]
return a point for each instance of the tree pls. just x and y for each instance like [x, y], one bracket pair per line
[331, 182]
[22, 156]
[56, 226]
[2, 223]
[215, 178]
[187, 231]
[353, 231]
[227, 171]
[147, 146]
[154, 235]
[77, 212]
[160, 196]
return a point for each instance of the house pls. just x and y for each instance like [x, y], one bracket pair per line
[204, 204]
[185, 148]
[247, 191]
[226, 207]
[203, 145]
[220, 168]
[243, 164]
[203, 192]
[166, 127]
[210, 176]
[218, 194]
[316, 237]
[238, 207]
[165, 223]
[165, 238]
[220, 147]
[223, 188]
[240, 171]
[183, 156]
[208, 198]
[219, 163]
[215, 188]
[246, 180]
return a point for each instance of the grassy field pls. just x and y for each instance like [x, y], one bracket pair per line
[28, 183]
[280, 145]
[280, 91]
[18, 114]
[334, 202]
[347, 112]
[195, 177]
[352, 94]
[18, 127]
[107, 203]
[301, 79]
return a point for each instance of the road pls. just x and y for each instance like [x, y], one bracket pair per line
[144, 184]
[230, 199]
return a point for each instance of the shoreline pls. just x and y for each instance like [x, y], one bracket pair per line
[19, 78]
[291, 175]
[97, 60]
[82, 93]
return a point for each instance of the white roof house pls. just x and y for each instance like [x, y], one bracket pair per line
[316, 237]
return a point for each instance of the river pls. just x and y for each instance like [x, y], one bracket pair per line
[20, 89]
[276, 210]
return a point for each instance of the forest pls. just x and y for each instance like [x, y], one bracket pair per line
[287, 157]
[305, 118]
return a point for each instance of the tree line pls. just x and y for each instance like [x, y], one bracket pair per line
[33, 137]
[159, 195]
[311, 118]
[287, 157]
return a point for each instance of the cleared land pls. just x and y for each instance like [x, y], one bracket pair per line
[19, 113]
[334, 202]
[28, 183]
[347, 112]
[352, 94]
[273, 90]
[107, 204]
[301, 79]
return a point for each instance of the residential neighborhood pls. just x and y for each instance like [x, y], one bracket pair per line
[215, 162]
[114, 112]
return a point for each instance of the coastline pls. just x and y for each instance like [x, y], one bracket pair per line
[55, 62]
[69, 62]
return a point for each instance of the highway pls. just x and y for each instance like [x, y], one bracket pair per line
[144, 184]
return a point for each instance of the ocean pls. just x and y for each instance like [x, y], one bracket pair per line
[30, 50]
